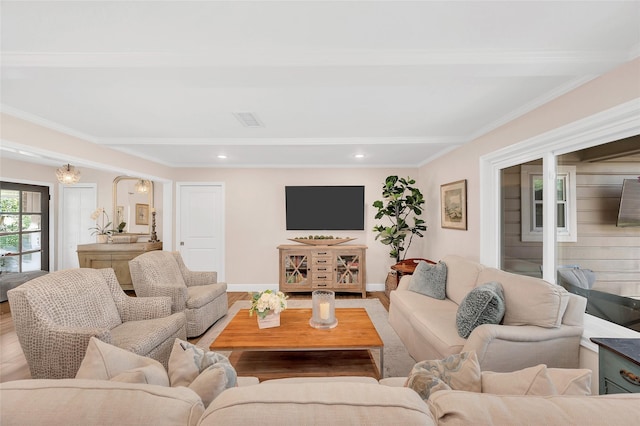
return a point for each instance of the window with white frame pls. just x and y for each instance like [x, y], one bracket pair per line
[531, 186]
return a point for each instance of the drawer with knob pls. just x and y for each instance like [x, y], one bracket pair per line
[619, 365]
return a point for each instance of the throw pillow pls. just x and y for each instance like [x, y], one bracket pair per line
[482, 305]
[457, 372]
[103, 361]
[571, 381]
[206, 373]
[425, 383]
[528, 381]
[429, 279]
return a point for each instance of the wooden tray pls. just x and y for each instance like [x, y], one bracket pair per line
[321, 242]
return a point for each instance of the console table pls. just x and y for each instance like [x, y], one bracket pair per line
[116, 256]
[314, 267]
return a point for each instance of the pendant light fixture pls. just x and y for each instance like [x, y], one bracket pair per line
[68, 174]
[142, 186]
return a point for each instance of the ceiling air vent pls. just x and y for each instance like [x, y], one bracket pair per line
[248, 119]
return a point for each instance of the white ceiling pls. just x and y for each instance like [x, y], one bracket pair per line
[400, 82]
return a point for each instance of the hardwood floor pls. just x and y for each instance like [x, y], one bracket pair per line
[13, 365]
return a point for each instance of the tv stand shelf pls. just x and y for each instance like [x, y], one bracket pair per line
[305, 268]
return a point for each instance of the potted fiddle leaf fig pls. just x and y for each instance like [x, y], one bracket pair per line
[400, 200]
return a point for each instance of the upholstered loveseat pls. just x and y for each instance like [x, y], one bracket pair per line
[542, 322]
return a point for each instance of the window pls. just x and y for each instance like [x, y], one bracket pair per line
[572, 143]
[531, 184]
[24, 236]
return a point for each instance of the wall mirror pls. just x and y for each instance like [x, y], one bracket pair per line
[132, 204]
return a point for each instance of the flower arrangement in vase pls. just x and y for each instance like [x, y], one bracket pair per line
[101, 230]
[268, 305]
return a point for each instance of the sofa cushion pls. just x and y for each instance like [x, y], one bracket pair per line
[429, 279]
[528, 381]
[460, 372]
[103, 361]
[200, 295]
[435, 324]
[483, 305]
[206, 373]
[329, 403]
[453, 408]
[94, 402]
[529, 300]
[462, 276]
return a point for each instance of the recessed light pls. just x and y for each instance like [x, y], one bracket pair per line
[222, 156]
[359, 155]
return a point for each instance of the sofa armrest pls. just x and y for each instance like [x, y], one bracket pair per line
[509, 348]
[62, 343]
[192, 278]
[404, 282]
[143, 308]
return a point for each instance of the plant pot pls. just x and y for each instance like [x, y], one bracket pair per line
[269, 321]
[102, 239]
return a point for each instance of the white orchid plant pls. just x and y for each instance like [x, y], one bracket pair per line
[268, 301]
[103, 227]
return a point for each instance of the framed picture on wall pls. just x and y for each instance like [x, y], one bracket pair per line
[142, 214]
[453, 205]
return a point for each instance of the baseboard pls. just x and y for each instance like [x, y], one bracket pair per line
[262, 287]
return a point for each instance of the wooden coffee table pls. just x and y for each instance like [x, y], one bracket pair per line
[297, 349]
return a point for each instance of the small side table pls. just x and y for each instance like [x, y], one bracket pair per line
[619, 365]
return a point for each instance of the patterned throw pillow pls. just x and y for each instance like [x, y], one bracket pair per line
[206, 373]
[457, 372]
[429, 280]
[482, 305]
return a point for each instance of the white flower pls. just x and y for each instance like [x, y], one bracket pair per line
[268, 301]
[101, 229]
[96, 214]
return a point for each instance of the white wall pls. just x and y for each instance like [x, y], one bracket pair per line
[255, 217]
[615, 88]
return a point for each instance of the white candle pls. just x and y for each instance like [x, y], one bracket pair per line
[324, 310]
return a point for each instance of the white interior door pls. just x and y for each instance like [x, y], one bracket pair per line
[200, 225]
[77, 202]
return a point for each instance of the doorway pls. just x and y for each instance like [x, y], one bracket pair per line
[200, 226]
[24, 227]
[77, 202]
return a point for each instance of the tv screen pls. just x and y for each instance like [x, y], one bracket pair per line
[329, 208]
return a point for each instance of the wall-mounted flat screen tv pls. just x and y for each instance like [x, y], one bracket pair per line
[330, 208]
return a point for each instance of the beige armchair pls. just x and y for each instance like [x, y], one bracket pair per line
[198, 294]
[55, 316]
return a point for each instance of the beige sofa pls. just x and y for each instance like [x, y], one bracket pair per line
[294, 402]
[542, 322]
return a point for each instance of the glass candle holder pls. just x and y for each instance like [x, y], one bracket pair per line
[323, 309]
